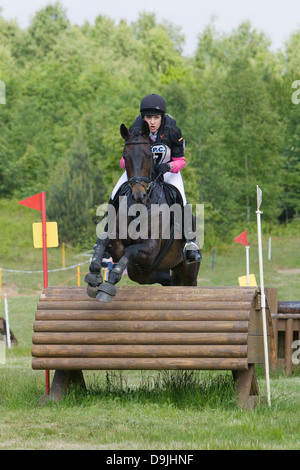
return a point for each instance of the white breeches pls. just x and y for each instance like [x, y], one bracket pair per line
[173, 178]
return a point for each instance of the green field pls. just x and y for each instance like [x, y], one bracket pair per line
[134, 409]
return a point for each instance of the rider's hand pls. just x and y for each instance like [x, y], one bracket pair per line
[163, 168]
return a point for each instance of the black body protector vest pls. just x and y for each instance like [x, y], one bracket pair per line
[169, 143]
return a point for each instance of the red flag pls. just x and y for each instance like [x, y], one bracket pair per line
[242, 238]
[34, 202]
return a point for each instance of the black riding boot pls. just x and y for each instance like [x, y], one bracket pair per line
[191, 251]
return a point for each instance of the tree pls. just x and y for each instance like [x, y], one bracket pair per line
[68, 89]
[251, 133]
[46, 26]
[74, 191]
[290, 202]
[240, 132]
[161, 44]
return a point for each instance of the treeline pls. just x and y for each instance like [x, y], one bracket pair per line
[68, 89]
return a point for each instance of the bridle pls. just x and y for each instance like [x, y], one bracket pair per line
[138, 179]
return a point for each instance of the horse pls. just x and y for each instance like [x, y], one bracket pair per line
[148, 260]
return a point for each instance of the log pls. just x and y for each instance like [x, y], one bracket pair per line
[125, 293]
[153, 326]
[139, 363]
[82, 351]
[144, 315]
[288, 306]
[140, 338]
[80, 304]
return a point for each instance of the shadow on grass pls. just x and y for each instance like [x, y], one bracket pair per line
[177, 389]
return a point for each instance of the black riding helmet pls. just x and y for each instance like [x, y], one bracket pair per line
[152, 105]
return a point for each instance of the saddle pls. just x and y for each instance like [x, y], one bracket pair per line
[172, 196]
[171, 193]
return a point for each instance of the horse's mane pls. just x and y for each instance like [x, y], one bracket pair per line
[136, 132]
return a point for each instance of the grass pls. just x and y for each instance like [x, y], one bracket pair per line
[124, 410]
[136, 409]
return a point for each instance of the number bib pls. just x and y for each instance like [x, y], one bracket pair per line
[161, 153]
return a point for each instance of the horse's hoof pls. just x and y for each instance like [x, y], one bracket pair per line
[93, 279]
[106, 292]
[92, 291]
[104, 297]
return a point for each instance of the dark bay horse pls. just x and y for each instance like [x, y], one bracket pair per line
[149, 259]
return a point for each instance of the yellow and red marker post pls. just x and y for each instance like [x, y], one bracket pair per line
[38, 202]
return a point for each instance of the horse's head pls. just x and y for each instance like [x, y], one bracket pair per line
[138, 161]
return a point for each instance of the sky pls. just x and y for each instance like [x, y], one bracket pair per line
[276, 18]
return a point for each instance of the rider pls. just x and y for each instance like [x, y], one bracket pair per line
[166, 141]
[169, 158]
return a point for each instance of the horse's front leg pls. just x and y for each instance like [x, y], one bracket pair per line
[108, 290]
[94, 277]
[132, 254]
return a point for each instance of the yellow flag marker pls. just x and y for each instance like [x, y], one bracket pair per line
[52, 234]
[243, 280]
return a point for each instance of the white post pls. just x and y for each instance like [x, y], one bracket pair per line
[7, 322]
[2, 350]
[248, 265]
[263, 297]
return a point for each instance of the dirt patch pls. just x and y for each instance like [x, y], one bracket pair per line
[288, 271]
[12, 290]
[9, 289]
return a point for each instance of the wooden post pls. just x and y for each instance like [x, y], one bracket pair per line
[246, 387]
[62, 380]
[288, 346]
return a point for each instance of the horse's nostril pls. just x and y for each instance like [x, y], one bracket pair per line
[139, 197]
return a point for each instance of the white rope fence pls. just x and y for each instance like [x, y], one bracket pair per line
[49, 270]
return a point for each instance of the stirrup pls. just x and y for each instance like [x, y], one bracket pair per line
[191, 253]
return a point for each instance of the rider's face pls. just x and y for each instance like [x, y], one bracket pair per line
[154, 122]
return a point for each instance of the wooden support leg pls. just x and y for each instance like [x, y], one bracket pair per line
[246, 387]
[62, 380]
[289, 331]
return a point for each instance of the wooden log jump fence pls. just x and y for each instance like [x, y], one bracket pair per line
[151, 327]
[286, 323]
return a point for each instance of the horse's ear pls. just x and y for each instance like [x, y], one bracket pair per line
[145, 129]
[124, 131]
